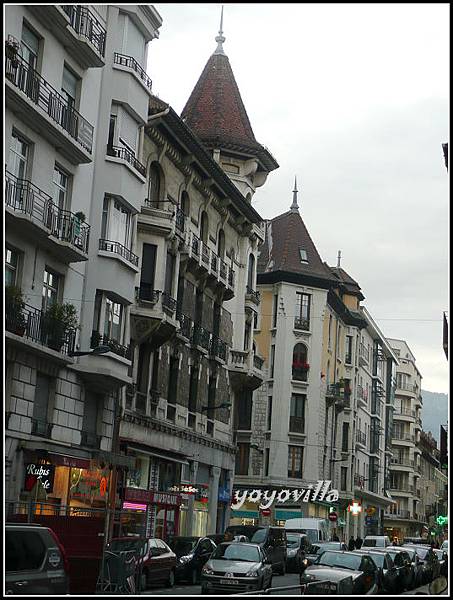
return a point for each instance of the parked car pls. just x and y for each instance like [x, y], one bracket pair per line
[316, 528]
[376, 541]
[271, 539]
[297, 547]
[442, 557]
[403, 563]
[317, 549]
[431, 566]
[236, 567]
[417, 565]
[35, 561]
[361, 568]
[336, 581]
[444, 545]
[388, 575]
[217, 538]
[192, 554]
[156, 561]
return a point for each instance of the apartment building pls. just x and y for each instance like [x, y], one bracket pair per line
[406, 518]
[77, 101]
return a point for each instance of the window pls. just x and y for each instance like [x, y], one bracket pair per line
[154, 185]
[185, 204]
[112, 130]
[169, 273]
[295, 454]
[303, 255]
[173, 373]
[272, 361]
[348, 354]
[113, 320]
[221, 245]
[116, 222]
[29, 47]
[274, 311]
[147, 272]
[245, 404]
[266, 462]
[204, 228]
[345, 437]
[93, 404]
[300, 366]
[212, 389]
[60, 183]
[330, 332]
[242, 458]
[19, 152]
[193, 388]
[41, 404]
[25, 550]
[69, 87]
[247, 336]
[50, 288]
[251, 273]
[297, 413]
[11, 266]
[302, 320]
[269, 413]
[344, 478]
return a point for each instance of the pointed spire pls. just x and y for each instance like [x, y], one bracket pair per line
[220, 39]
[294, 205]
[339, 259]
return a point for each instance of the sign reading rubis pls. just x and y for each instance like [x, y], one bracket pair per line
[267, 498]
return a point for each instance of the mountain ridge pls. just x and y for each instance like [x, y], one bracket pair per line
[434, 412]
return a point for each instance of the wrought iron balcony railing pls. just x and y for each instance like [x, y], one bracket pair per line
[85, 23]
[46, 97]
[147, 293]
[218, 347]
[301, 323]
[41, 428]
[185, 324]
[201, 336]
[296, 425]
[360, 437]
[168, 302]
[24, 197]
[180, 219]
[131, 63]
[407, 412]
[117, 248]
[128, 156]
[252, 294]
[258, 362]
[35, 325]
[97, 339]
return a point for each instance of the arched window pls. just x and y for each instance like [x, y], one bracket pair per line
[204, 228]
[154, 185]
[185, 204]
[300, 364]
[251, 273]
[221, 244]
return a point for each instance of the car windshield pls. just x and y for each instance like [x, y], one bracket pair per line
[328, 546]
[373, 542]
[378, 559]
[438, 553]
[411, 553]
[236, 552]
[345, 561]
[126, 544]
[421, 552]
[293, 540]
[259, 536]
[183, 547]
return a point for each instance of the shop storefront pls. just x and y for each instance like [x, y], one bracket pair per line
[223, 500]
[150, 513]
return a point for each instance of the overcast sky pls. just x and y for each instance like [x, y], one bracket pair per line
[354, 100]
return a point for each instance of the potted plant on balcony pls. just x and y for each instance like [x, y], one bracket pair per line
[57, 322]
[15, 305]
[12, 48]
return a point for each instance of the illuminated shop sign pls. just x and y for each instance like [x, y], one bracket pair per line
[45, 474]
[184, 489]
[134, 506]
[267, 498]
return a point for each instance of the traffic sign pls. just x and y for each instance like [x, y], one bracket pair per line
[266, 512]
[333, 516]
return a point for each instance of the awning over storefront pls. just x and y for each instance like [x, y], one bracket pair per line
[170, 455]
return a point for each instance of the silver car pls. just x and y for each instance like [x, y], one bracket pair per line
[236, 567]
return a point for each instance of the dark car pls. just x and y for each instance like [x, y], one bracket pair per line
[337, 582]
[156, 562]
[217, 538]
[431, 566]
[442, 557]
[388, 576]
[192, 554]
[404, 565]
[361, 568]
[297, 546]
[236, 567]
[35, 561]
[271, 539]
[317, 549]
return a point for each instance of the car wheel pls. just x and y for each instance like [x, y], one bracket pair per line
[171, 579]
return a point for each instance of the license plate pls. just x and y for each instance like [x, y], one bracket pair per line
[228, 581]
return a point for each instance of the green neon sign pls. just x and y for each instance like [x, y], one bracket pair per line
[442, 520]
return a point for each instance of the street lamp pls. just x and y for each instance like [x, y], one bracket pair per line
[257, 448]
[97, 350]
[224, 405]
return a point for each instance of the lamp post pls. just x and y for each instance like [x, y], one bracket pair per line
[208, 408]
[97, 350]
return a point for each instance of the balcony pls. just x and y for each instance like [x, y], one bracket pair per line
[127, 156]
[301, 324]
[153, 316]
[218, 348]
[245, 372]
[406, 387]
[252, 298]
[403, 437]
[405, 463]
[77, 28]
[401, 413]
[360, 438]
[204, 263]
[362, 396]
[201, 337]
[32, 325]
[397, 514]
[97, 339]
[34, 213]
[45, 110]
[116, 249]
[296, 425]
[338, 393]
[364, 358]
[161, 221]
[41, 428]
[185, 325]
[131, 64]
[400, 487]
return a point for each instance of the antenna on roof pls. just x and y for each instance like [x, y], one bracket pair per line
[339, 259]
[220, 38]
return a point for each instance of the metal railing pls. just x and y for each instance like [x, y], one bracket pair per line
[401, 487]
[180, 219]
[35, 325]
[405, 437]
[407, 412]
[185, 324]
[300, 323]
[25, 197]
[85, 23]
[147, 293]
[218, 347]
[201, 336]
[360, 437]
[252, 294]
[402, 513]
[128, 156]
[258, 362]
[364, 357]
[338, 391]
[404, 462]
[129, 61]
[97, 339]
[168, 302]
[296, 425]
[41, 428]
[117, 248]
[406, 387]
[46, 97]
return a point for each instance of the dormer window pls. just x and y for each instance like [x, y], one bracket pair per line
[303, 255]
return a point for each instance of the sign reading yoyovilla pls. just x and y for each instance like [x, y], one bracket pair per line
[267, 498]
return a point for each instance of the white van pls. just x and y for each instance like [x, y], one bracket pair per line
[317, 529]
[376, 541]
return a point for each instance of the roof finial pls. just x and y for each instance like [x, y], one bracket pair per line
[339, 259]
[294, 205]
[220, 39]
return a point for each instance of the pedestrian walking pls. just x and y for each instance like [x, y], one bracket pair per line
[358, 542]
[351, 543]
